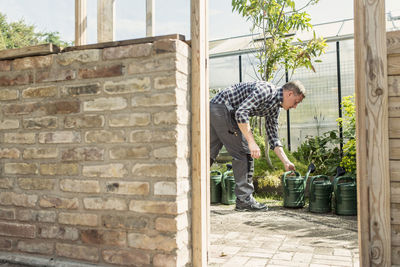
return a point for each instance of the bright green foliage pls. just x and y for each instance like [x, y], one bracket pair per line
[349, 157]
[19, 34]
[348, 123]
[277, 22]
[321, 150]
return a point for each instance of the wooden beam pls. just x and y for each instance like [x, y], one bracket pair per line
[125, 42]
[394, 85]
[150, 18]
[394, 107]
[372, 129]
[394, 171]
[105, 20]
[80, 22]
[200, 133]
[37, 50]
[394, 64]
[393, 42]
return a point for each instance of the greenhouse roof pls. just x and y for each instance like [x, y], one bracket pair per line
[331, 31]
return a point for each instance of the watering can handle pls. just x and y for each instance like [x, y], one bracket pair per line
[337, 179]
[315, 178]
[216, 172]
[287, 173]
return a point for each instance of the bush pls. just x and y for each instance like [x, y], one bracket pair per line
[348, 123]
[322, 151]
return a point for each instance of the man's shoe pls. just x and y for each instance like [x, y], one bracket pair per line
[250, 204]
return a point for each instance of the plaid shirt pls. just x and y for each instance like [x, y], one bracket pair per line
[257, 98]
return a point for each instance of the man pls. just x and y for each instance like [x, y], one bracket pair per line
[230, 110]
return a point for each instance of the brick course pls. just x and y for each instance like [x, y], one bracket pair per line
[95, 155]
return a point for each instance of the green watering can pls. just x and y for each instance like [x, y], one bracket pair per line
[320, 194]
[228, 186]
[215, 186]
[345, 190]
[294, 187]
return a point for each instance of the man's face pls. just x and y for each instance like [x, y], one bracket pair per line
[290, 100]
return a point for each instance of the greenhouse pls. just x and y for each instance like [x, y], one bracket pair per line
[233, 60]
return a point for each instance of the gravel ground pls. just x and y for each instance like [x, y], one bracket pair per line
[296, 223]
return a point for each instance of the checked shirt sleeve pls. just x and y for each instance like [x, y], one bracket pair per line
[271, 127]
[250, 103]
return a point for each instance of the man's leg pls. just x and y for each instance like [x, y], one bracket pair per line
[230, 136]
[215, 143]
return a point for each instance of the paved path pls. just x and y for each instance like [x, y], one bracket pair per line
[282, 237]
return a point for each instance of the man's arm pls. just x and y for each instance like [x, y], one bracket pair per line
[289, 166]
[253, 147]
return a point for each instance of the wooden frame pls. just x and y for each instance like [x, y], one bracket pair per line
[80, 22]
[200, 133]
[373, 178]
[150, 18]
[105, 21]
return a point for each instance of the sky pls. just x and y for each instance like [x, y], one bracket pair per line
[171, 16]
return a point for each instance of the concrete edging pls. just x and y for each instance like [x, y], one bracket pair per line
[40, 261]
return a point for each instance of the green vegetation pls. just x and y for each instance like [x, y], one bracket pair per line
[275, 23]
[322, 150]
[19, 34]
[348, 123]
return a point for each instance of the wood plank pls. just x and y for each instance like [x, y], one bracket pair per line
[105, 21]
[80, 22]
[394, 85]
[394, 64]
[395, 256]
[394, 107]
[395, 199]
[150, 18]
[393, 42]
[37, 50]
[394, 128]
[394, 150]
[125, 42]
[372, 127]
[200, 134]
[395, 207]
[395, 234]
[394, 167]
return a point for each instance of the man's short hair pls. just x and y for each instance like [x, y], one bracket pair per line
[296, 87]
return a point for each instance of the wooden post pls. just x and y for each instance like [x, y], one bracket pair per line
[371, 88]
[105, 20]
[200, 133]
[80, 22]
[150, 18]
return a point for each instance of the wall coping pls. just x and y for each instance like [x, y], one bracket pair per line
[46, 49]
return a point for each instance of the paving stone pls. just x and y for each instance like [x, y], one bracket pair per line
[254, 262]
[236, 261]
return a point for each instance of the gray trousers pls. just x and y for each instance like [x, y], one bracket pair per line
[224, 131]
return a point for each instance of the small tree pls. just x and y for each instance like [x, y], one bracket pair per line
[276, 22]
[19, 34]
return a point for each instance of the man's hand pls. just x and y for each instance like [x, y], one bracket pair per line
[253, 147]
[254, 150]
[289, 166]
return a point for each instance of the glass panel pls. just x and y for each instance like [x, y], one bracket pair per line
[347, 67]
[319, 110]
[224, 71]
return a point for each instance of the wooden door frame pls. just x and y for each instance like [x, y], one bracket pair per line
[373, 179]
[200, 133]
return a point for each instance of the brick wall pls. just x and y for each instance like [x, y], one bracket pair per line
[95, 153]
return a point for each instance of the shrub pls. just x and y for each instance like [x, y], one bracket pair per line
[348, 123]
[322, 151]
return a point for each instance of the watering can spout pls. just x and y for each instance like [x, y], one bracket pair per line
[311, 169]
[340, 171]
